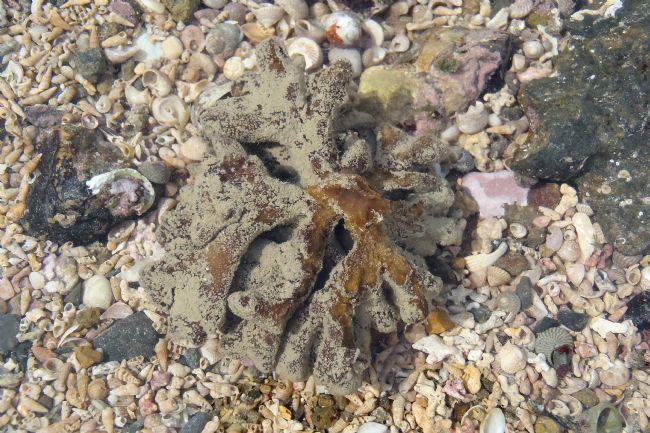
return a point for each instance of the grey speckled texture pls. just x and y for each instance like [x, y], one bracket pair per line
[127, 338]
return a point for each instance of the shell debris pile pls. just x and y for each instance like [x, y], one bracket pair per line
[540, 326]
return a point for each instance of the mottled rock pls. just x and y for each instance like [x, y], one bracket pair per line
[494, 190]
[181, 10]
[544, 194]
[124, 9]
[127, 338]
[155, 171]
[90, 63]
[191, 357]
[196, 423]
[589, 122]
[444, 78]
[481, 314]
[8, 330]
[572, 320]
[43, 116]
[88, 317]
[638, 310]
[61, 204]
[75, 295]
[514, 264]
[438, 321]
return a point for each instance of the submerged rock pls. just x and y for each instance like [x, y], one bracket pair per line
[82, 189]
[8, 330]
[444, 79]
[181, 10]
[127, 338]
[589, 122]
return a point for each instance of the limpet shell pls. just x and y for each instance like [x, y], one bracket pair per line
[517, 230]
[497, 276]
[551, 339]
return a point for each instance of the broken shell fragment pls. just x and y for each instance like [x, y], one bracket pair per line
[268, 14]
[474, 120]
[550, 340]
[604, 418]
[481, 261]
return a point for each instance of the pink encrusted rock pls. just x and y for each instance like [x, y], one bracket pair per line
[493, 190]
[125, 10]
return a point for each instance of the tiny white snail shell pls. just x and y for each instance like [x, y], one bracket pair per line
[233, 68]
[170, 111]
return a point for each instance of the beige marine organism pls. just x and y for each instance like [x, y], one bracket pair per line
[284, 241]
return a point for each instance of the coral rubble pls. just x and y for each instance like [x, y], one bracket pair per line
[296, 240]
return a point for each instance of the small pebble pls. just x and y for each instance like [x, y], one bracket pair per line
[525, 293]
[88, 317]
[8, 330]
[128, 338]
[156, 172]
[544, 324]
[86, 356]
[196, 423]
[97, 292]
[572, 320]
[544, 424]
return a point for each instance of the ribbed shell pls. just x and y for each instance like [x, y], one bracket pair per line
[549, 340]
[497, 276]
[622, 261]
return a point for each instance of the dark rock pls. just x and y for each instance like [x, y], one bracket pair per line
[20, 354]
[524, 215]
[127, 338]
[441, 268]
[638, 310]
[544, 324]
[8, 330]
[90, 63]
[514, 264]
[181, 10]
[572, 320]
[191, 357]
[481, 314]
[75, 295]
[62, 206]
[525, 292]
[134, 427]
[544, 194]
[156, 171]
[497, 5]
[43, 116]
[590, 122]
[196, 423]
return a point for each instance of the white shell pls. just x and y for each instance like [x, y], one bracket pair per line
[172, 48]
[342, 28]
[233, 68]
[120, 54]
[310, 29]
[375, 31]
[481, 261]
[157, 81]
[474, 120]
[268, 14]
[350, 54]
[296, 9]
[533, 49]
[586, 234]
[603, 326]
[309, 49]
[399, 44]
[372, 427]
[170, 111]
[137, 97]
[373, 56]
[511, 359]
[494, 422]
[437, 350]
[97, 292]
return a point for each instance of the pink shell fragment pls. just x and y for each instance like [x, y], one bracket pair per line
[493, 190]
